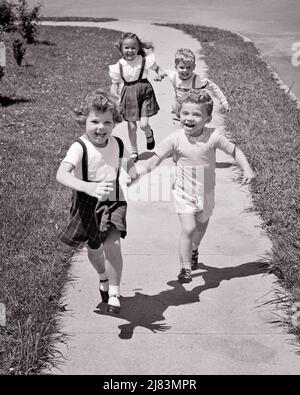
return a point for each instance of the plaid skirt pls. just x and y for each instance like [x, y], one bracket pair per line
[138, 100]
[91, 220]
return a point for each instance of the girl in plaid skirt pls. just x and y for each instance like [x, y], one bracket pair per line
[129, 82]
[98, 214]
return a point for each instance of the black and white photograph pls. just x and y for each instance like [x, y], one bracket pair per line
[149, 191]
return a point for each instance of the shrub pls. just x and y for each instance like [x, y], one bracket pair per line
[28, 20]
[7, 16]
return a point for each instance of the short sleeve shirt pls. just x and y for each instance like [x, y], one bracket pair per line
[101, 161]
[195, 161]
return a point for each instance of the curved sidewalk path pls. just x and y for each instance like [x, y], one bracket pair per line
[217, 324]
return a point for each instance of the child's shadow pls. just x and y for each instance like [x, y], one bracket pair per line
[145, 310]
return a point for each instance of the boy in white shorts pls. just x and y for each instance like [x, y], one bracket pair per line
[193, 149]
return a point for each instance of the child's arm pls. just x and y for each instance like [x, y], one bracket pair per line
[241, 159]
[116, 81]
[161, 74]
[149, 165]
[165, 149]
[115, 89]
[98, 189]
[221, 142]
[138, 171]
[151, 64]
[212, 87]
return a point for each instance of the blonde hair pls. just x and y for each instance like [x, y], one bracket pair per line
[143, 45]
[98, 100]
[184, 55]
[198, 97]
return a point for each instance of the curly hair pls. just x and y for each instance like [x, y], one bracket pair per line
[141, 44]
[98, 100]
[184, 55]
[198, 97]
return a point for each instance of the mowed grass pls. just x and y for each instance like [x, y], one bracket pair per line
[265, 122]
[37, 127]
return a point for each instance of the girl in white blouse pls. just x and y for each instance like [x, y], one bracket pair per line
[130, 84]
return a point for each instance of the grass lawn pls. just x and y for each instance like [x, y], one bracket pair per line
[265, 122]
[36, 130]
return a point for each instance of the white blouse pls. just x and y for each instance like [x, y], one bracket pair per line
[131, 69]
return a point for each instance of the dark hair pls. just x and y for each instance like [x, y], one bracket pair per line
[141, 44]
[98, 100]
[198, 97]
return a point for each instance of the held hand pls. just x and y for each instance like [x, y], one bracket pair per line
[133, 181]
[128, 180]
[160, 76]
[99, 190]
[249, 176]
[133, 175]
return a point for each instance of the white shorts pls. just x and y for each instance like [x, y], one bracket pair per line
[203, 210]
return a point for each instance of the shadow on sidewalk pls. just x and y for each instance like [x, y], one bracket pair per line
[145, 310]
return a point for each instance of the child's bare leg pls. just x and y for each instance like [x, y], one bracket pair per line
[144, 125]
[188, 227]
[114, 264]
[199, 233]
[113, 255]
[97, 259]
[132, 128]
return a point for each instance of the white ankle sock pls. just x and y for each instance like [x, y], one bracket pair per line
[114, 290]
[114, 293]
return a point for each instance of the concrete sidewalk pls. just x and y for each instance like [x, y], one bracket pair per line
[217, 324]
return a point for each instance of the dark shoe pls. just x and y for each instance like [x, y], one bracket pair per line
[185, 276]
[112, 308]
[104, 294]
[134, 157]
[150, 141]
[195, 254]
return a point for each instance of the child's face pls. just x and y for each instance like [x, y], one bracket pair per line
[193, 118]
[99, 126]
[185, 69]
[130, 48]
